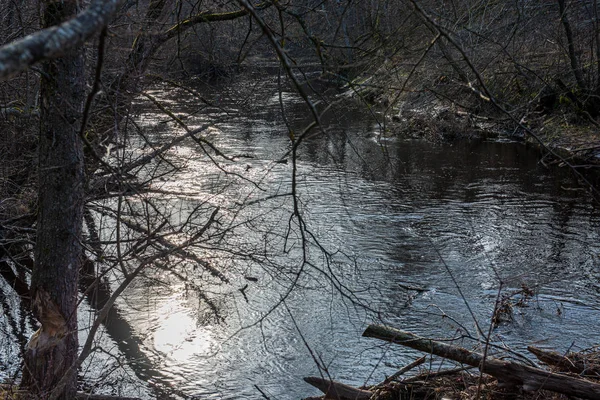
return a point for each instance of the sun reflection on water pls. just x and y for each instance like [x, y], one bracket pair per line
[179, 336]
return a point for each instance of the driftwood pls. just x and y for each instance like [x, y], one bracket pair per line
[573, 363]
[341, 391]
[338, 391]
[507, 372]
[403, 370]
[430, 375]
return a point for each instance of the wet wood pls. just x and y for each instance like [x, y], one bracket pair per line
[573, 363]
[436, 374]
[338, 391]
[508, 372]
[403, 370]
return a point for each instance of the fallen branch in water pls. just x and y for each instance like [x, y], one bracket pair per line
[509, 373]
[403, 370]
[431, 375]
[338, 391]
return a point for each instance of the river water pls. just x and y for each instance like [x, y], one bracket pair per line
[459, 221]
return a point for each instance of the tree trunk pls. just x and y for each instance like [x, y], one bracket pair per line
[52, 350]
[575, 64]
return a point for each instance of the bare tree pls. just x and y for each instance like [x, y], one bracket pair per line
[53, 349]
[145, 237]
[103, 219]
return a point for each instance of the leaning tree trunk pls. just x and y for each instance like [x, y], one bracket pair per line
[52, 350]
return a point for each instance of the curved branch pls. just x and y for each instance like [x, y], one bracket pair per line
[54, 42]
[146, 44]
[207, 16]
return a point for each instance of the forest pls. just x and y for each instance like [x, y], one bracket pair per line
[217, 198]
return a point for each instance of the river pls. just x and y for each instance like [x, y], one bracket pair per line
[459, 221]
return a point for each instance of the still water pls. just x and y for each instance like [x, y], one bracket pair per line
[382, 218]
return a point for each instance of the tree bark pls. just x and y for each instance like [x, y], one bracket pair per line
[573, 363]
[56, 40]
[52, 350]
[338, 391]
[575, 64]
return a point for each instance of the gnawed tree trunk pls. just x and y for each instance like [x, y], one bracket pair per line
[52, 350]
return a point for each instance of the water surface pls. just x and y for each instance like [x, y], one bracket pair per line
[459, 220]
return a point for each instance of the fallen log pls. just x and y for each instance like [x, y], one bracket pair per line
[507, 372]
[574, 363]
[338, 391]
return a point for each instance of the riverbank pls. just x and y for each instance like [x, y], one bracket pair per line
[561, 141]
[477, 374]
[439, 108]
[389, 210]
[453, 384]
[562, 138]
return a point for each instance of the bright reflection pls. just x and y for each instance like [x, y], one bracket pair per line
[178, 335]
